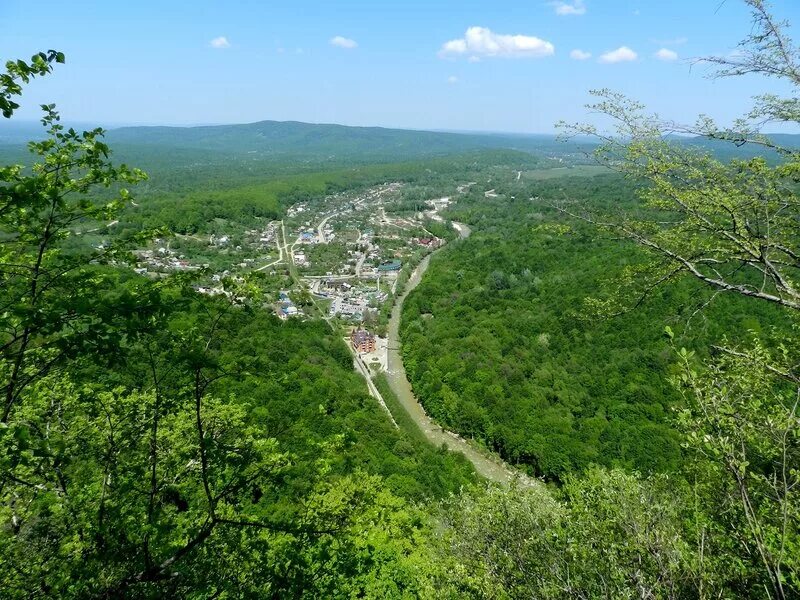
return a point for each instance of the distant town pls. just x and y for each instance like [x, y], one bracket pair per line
[340, 257]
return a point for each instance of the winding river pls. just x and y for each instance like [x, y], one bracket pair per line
[487, 464]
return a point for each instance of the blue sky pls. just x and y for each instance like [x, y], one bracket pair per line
[155, 63]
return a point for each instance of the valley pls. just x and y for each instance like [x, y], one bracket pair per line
[340, 258]
[278, 359]
[487, 465]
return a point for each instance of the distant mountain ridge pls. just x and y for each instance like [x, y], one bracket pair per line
[295, 138]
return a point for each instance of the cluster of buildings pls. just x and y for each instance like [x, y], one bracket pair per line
[295, 210]
[349, 301]
[209, 290]
[286, 307]
[216, 287]
[347, 309]
[162, 260]
[441, 203]
[219, 240]
[264, 238]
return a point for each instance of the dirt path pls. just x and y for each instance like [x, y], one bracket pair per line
[280, 253]
[486, 464]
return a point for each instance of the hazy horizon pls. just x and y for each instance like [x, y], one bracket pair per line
[23, 126]
[436, 66]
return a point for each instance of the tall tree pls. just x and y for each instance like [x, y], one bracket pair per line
[734, 227]
[126, 467]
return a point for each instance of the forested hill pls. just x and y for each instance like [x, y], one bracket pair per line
[282, 141]
[291, 138]
[502, 345]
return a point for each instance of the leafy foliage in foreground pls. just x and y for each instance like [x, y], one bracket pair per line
[533, 543]
[734, 529]
[154, 442]
[189, 456]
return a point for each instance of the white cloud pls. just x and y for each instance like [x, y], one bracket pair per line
[481, 41]
[452, 80]
[474, 59]
[578, 54]
[220, 42]
[666, 54]
[343, 42]
[454, 47]
[621, 54]
[565, 9]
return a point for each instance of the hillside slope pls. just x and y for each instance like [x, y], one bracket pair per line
[291, 138]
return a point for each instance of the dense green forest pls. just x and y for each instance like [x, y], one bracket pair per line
[324, 142]
[282, 403]
[148, 430]
[504, 343]
[191, 210]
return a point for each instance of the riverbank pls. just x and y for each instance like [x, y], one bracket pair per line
[486, 464]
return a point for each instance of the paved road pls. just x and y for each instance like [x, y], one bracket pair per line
[321, 226]
[362, 258]
[486, 464]
[363, 369]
